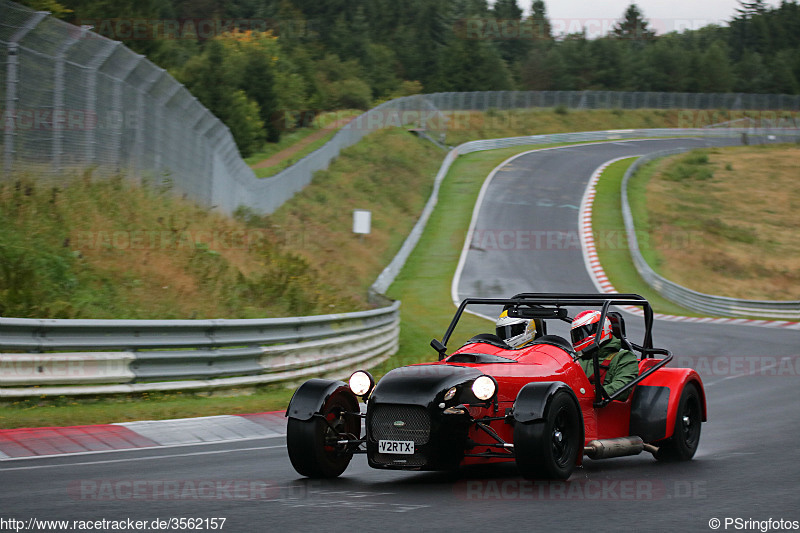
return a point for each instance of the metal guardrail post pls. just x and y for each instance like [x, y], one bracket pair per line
[58, 99]
[12, 81]
[92, 69]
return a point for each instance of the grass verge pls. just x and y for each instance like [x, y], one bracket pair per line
[608, 228]
[292, 140]
[423, 286]
[68, 411]
[424, 283]
[724, 221]
[714, 220]
[298, 143]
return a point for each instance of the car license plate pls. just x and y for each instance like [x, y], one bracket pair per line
[403, 447]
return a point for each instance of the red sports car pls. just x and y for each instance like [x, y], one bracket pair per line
[487, 402]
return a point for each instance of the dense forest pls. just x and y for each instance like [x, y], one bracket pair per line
[251, 61]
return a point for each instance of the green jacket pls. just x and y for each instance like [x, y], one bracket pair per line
[623, 366]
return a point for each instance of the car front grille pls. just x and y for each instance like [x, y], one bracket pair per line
[400, 422]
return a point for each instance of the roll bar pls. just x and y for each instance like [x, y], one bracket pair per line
[545, 301]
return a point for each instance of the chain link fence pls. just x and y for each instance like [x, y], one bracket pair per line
[484, 101]
[73, 100]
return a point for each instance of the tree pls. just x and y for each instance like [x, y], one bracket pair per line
[101, 15]
[751, 74]
[340, 84]
[783, 80]
[612, 70]
[578, 68]
[207, 77]
[715, 74]
[542, 30]
[380, 66]
[53, 7]
[350, 36]
[470, 8]
[749, 30]
[546, 70]
[258, 83]
[420, 39]
[748, 10]
[474, 65]
[512, 44]
[242, 117]
[507, 10]
[633, 26]
[668, 65]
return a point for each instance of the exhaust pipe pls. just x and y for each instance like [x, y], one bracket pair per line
[619, 447]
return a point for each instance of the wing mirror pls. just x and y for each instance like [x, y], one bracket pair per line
[440, 348]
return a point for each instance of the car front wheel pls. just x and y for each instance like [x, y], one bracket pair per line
[312, 444]
[549, 448]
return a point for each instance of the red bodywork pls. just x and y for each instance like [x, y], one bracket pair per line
[548, 363]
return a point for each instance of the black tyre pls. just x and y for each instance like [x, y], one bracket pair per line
[549, 448]
[312, 445]
[686, 435]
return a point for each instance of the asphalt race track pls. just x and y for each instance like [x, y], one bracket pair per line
[747, 466]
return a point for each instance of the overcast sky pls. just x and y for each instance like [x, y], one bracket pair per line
[569, 16]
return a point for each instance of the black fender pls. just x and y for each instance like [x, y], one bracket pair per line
[312, 396]
[532, 400]
[649, 408]
[655, 402]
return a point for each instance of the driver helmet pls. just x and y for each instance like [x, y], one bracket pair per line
[517, 332]
[584, 329]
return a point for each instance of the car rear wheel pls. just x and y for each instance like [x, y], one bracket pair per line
[312, 443]
[549, 448]
[686, 435]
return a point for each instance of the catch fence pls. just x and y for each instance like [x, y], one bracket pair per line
[73, 100]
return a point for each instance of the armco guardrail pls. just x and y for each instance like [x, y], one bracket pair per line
[705, 303]
[149, 355]
[141, 355]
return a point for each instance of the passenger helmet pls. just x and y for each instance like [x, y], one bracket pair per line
[584, 329]
[517, 332]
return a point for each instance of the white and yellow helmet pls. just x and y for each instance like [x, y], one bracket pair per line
[517, 332]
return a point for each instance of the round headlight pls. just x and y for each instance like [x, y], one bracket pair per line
[361, 383]
[484, 387]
